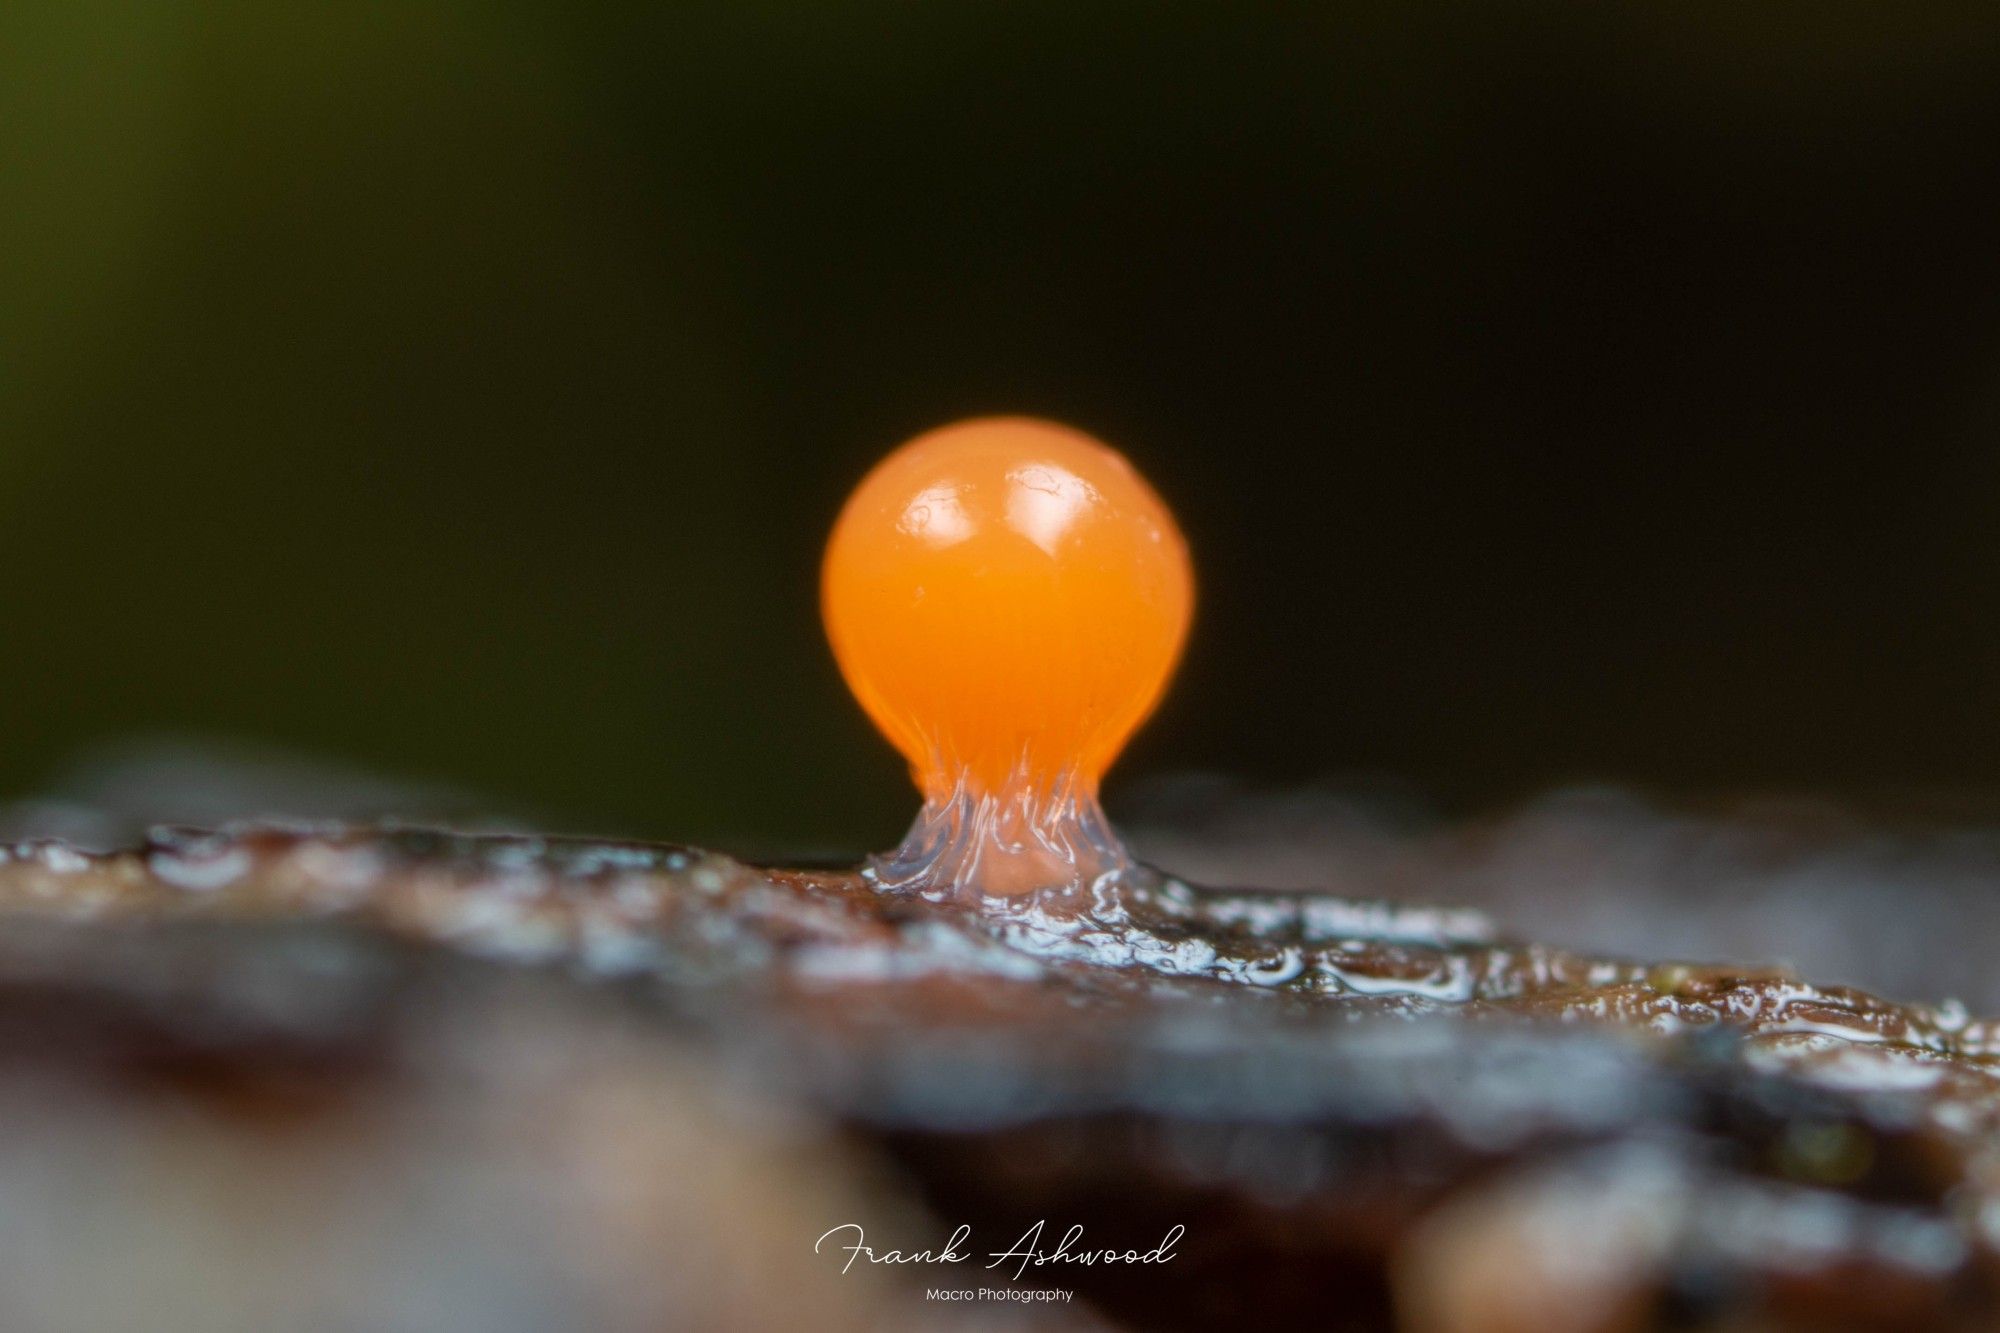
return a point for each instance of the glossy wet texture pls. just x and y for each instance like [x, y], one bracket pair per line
[1007, 598]
[1390, 1114]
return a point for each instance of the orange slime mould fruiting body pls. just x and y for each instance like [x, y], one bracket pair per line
[1007, 598]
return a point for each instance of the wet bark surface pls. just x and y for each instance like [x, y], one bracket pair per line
[631, 1085]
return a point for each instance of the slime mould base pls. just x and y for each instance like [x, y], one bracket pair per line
[322, 1076]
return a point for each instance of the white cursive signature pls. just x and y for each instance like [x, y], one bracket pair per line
[1023, 1251]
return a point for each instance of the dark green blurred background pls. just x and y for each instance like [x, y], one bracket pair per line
[1550, 391]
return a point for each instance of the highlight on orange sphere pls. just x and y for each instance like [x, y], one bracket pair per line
[1007, 598]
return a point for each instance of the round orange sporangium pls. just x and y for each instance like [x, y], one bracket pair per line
[1007, 598]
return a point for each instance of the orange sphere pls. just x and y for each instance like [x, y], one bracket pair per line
[1007, 598]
